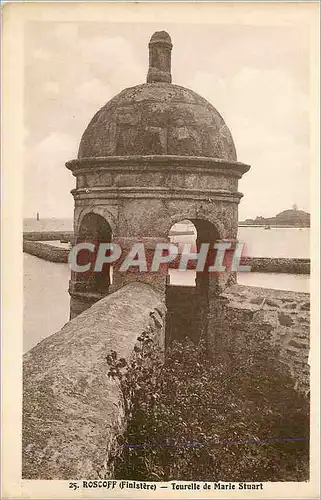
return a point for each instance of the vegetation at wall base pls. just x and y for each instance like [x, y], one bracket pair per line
[203, 419]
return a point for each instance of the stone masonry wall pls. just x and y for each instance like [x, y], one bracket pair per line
[282, 317]
[72, 411]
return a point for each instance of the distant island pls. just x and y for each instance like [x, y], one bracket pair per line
[287, 218]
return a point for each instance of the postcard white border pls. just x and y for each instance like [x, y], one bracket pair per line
[15, 15]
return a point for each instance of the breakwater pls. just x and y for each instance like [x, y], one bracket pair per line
[48, 235]
[32, 244]
[45, 251]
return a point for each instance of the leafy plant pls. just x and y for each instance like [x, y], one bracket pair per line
[195, 418]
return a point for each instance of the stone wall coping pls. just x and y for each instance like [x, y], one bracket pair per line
[256, 290]
[156, 162]
[265, 292]
[72, 410]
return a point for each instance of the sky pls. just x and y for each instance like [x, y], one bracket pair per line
[257, 77]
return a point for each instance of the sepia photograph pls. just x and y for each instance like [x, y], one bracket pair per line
[166, 229]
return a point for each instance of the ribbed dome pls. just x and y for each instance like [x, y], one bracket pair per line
[158, 118]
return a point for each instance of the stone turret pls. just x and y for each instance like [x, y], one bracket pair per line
[154, 155]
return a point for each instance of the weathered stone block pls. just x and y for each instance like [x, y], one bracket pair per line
[285, 319]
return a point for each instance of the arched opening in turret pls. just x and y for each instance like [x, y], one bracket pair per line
[189, 286]
[183, 234]
[94, 229]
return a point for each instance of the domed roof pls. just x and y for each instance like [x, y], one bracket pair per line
[158, 118]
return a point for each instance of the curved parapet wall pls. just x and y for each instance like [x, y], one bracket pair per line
[72, 411]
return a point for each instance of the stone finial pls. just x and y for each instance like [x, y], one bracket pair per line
[160, 47]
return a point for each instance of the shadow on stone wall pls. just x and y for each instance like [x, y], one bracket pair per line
[183, 318]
